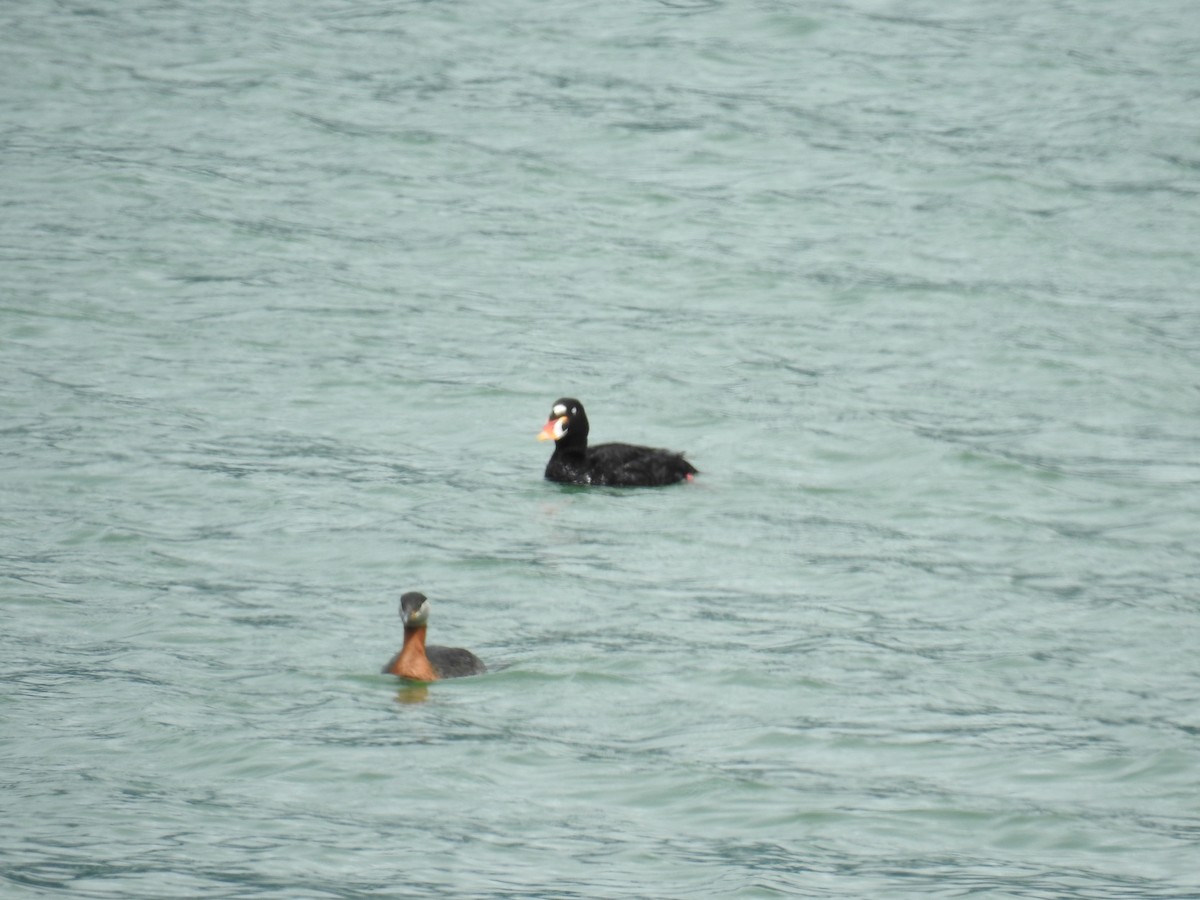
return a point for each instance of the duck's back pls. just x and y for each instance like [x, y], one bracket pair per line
[454, 662]
[620, 465]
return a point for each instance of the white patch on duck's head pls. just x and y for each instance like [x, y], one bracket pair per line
[560, 409]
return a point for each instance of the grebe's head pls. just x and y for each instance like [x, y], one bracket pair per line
[414, 610]
[566, 417]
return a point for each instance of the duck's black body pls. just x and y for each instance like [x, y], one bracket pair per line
[419, 662]
[454, 662]
[615, 465]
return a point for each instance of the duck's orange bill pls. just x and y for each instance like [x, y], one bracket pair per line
[547, 433]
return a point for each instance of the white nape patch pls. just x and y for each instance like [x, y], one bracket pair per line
[559, 409]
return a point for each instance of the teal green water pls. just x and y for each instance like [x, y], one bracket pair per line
[288, 289]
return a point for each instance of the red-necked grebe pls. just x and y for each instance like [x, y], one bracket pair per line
[419, 662]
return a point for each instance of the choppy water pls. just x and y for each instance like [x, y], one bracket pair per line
[288, 289]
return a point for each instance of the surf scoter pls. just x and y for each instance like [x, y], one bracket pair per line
[418, 662]
[616, 465]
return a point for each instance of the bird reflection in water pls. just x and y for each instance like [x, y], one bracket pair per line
[412, 694]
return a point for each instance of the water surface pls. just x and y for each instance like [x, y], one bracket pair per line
[288, 291]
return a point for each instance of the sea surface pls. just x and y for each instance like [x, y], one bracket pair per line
[287, 290]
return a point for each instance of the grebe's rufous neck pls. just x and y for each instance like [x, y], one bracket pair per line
[419, 662]
[616, 465]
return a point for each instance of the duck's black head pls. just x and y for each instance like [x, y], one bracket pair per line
[414, 610]
[567, 425]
